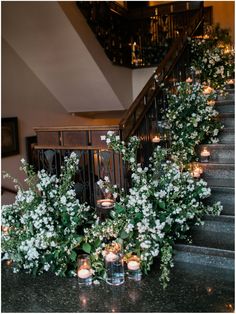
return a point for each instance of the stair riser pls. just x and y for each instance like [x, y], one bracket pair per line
[214, 234]
[226, 197]
[218, 176]
[229, 96]
[228, 122]
[225, 108]
[226, 137]
[212, 261]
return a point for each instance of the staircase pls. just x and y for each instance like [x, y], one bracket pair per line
[213, 243]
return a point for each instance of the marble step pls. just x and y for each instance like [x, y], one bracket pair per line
[227, 136]
[226, 195]
[220, 153]
[201, 255]
[227, 119]
[225, 106]
[218, 174]
[217, 232]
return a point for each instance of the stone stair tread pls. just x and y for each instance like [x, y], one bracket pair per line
[218, 145]
[204, 250]
[216, 165]
[221, 218]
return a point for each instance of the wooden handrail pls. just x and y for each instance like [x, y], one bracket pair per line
[77, 128]
[79, 147]
[161, 74]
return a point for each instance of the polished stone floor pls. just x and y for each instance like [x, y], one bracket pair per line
[192, 289]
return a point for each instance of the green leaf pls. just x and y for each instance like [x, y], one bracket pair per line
[86, 247]
[97, 243]
[73, 256]
[162, 205]
[119, 209]
[124, 235]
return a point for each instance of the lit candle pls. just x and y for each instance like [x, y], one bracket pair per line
[107, 203]
[133, 265]
[111, 257]
[207, 90]
[189, 80]
[205, 152]
[211, 102]
[231, 81]
[84, 273]
[9, 262]
[5, 229]
[196, 174]
[156, 139]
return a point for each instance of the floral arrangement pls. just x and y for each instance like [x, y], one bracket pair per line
[212, 58]
[192, 120]
[161, 205]
[47, 226]
[43, 227]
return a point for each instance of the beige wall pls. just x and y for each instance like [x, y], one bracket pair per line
[24, 96]
[223, 13]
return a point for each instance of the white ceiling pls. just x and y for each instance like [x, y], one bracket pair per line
[42, 35]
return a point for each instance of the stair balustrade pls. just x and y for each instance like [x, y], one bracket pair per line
[138, 38]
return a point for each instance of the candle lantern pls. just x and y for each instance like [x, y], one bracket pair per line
[189, 80]
[104, 206]
[114, 264]
[133, 267]
[205, 155]
[5, 229]
[156, 139]
[207, 90]
[84, 270]
[211, 102]
[196, 171]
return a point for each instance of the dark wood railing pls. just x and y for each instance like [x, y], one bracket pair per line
[144, 117]
[134, 37]
[95, 159]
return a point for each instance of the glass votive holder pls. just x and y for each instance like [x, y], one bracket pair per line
[205, 155]
[104, 206]
[133, 268]
[114, 264]
[84, 270]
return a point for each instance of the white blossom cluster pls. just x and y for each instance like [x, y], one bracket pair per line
[211, 63]
[191, 119]
[43, 222]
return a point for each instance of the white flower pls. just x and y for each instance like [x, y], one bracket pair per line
[63, 200]
[103, 137]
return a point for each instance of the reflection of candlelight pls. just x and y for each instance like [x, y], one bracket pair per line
[209, 290]
[189, 80]
[156, 139]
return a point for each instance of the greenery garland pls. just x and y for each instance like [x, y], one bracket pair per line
[47, 224]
